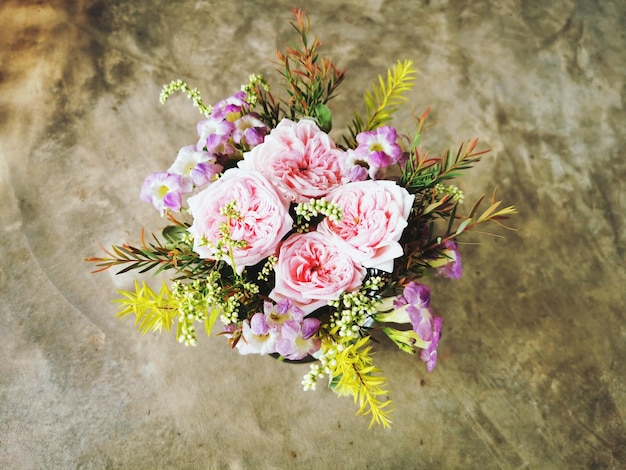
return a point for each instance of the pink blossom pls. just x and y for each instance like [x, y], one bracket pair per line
[263, 217]
[300, 159]
[312, 269]
[375, 214]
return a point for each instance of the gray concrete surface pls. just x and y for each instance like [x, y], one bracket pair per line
[532, 360]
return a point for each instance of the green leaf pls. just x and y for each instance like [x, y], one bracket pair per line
[323, 117]
[174, 233]
[209, 322]
[462, 226]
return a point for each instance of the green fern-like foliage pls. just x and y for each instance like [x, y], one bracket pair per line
[153, 311]
[383, 100]
[353, 373]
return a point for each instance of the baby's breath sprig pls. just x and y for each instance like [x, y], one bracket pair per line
[191, 300]
[454, 191]
[354, 310]
[308, 211]
[327, 363]
[250, 88]
[268, 267]
[224, 302]
[192, 93]
[226, 244]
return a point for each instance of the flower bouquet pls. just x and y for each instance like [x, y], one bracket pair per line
[303, 246]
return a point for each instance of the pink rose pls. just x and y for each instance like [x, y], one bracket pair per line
[311, 270]
[300, 159]
[262, 222]
[375, 214]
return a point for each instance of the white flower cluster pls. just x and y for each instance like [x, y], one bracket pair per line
[306, 211]
[192, 307]
[254, 80]
[354, 309]
[327, 361]
[192, 93]
[454, 191]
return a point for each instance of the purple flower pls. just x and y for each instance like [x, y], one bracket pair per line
[214, 134]
[231, 108]
[449, 263]
[256, 336]
[277, 314]
[249, 131]
[416, 300]
[298, 340]
[309, 327]
[378, 148]
[415, 294]
[429, 355]
[197, 165]
[414, 306]
[258, 325]
[357, 173]
[165, 191]
[281, 328]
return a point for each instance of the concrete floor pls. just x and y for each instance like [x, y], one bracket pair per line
[532, 360]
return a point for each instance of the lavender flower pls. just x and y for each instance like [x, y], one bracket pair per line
[231, 108]
[429, 355]
[165, 191]
[281, 328]
[413, 306]
[297, 339]
[256, 336]
[356, 172]
[198, 165]
[249, 131]
[416, 299]
[449, 263]
[378, 149]
[214, 135]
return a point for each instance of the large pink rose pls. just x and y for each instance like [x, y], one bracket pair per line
[374, 215]
[263, 217]
[311, 270]
[300, 159]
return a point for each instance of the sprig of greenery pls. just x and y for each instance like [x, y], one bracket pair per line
[382, 101]
[422, 171]
[353, 373]
[176, 253]
[311, 80]
[419, 250]
[153, 311]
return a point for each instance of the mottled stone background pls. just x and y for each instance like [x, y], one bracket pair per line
[532, 361]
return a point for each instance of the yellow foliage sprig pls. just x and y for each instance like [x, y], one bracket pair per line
[382, 101]
[153, 311]
[352, 373]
